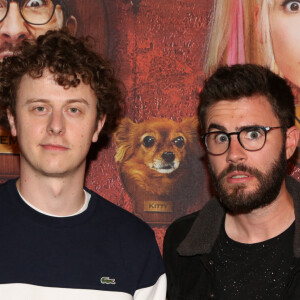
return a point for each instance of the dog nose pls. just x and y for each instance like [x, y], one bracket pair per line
[168, 156]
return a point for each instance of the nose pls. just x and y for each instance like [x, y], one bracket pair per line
[168, 156]
[56, 123]
[236, 153]
[13, 28]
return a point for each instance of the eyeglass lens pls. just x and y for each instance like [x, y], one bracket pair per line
[37, 12]
[250, 138]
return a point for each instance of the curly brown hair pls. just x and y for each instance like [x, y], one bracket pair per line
[71, 61]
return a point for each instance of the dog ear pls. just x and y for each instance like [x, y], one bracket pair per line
[190, 127]
[121, 138]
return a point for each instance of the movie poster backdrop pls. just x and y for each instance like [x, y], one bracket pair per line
[154, 165]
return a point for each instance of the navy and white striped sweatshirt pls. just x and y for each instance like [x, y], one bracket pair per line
[103, 253]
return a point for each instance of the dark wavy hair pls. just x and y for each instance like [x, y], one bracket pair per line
[238, 81]
[71, 61]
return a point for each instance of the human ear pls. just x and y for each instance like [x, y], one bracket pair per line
[12, 123]
[71, 24]
[100, 124]
[292, 138]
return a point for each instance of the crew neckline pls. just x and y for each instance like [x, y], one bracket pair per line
[270, 241]
[87, 197]
[24, 210]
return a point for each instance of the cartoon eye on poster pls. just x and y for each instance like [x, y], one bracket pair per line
[263, 32]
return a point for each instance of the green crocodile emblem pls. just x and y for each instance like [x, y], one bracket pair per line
[107, 280]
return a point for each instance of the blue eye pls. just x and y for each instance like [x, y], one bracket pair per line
[252, 134]
[74, 110]
[40, 108]
[221, 138]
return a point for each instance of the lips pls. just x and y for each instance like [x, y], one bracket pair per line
[5, 53]
[238, 177]
[54, 147]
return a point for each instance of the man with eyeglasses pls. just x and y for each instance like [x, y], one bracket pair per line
[25, 19]
[245, 242]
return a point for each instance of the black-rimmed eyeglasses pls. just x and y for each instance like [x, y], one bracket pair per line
[251, 138]
[35, 12]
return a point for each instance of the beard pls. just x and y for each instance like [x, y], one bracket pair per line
[237, 200]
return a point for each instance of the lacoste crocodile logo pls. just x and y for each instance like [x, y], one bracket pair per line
[107, 280]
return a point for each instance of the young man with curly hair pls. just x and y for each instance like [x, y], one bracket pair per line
[59, 239]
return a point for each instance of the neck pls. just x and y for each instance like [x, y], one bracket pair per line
[263, 223]
[59, 196]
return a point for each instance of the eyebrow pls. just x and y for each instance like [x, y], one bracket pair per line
[69, 101]
[218, 127]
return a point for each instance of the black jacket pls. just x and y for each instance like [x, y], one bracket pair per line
[189, 241]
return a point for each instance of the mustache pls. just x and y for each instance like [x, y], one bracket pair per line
[12, 47]
[242, 168]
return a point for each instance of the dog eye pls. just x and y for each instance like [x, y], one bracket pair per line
[148, 141]
[179, 142]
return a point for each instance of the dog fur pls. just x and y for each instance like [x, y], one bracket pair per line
[159, 159]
